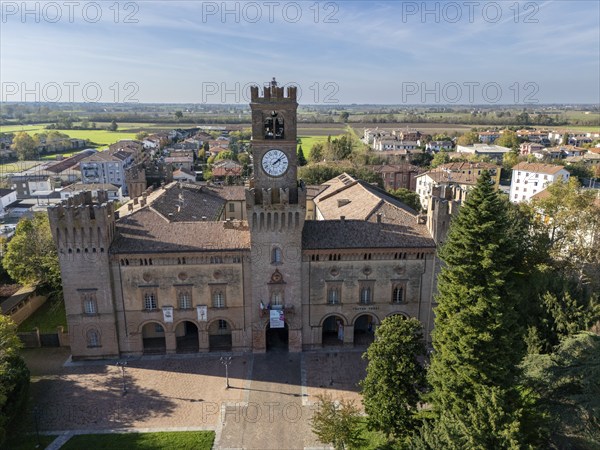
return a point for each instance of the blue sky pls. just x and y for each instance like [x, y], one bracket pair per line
[350, 52]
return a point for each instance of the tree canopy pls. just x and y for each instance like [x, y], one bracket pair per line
[14, 376]
[31, 256]
[394, 376]
[25, 146]
[477, 337]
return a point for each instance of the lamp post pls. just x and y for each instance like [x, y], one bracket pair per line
[122, 365]
[226, 360]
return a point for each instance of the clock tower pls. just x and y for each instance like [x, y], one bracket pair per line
[276, 205]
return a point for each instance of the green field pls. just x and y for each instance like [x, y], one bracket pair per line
[308, 141]
[184, 440]
[29, 128]
[99, 137]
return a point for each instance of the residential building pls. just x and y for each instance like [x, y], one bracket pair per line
[426, 182]
[530, 178]
[108, 167]
[113, 192]
[180, 162]
[396, 176]
[438, 146]
[184, 175]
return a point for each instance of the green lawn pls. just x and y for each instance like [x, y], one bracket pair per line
[28, 442]
[47, 318]
[308, 141]
[184, 440]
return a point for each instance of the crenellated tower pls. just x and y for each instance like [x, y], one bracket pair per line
[83, 231]
[276, 204]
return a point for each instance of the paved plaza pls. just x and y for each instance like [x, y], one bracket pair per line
[268, 405]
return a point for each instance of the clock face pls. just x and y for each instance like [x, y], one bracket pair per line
[275, 163]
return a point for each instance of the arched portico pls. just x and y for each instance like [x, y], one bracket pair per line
[219, 336]
[153, 338]
[364, 329]
[333, 329]
[186, 335]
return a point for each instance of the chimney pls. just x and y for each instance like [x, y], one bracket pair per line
[378, 217]
[343, 218]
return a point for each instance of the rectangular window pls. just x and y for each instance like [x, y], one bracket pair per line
[218, 298]
[398, 293]
[232, 207]
[333, 295]
[150, 301]
[185, 300]
[89, 306]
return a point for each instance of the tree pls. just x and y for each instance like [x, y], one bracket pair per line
[14, 376]
[301, 159]
[316, 153]
[338, 148]
[179, 115]
[567, 384]
[469, 138]
[25, 146]
[141, 135]
[410, 198]
[439, 159]
[509, 139]
[243, 158]
[344, 115]
[113, 126]
[337, 423]
[478, 332]
[571, 220]
[226, 154]
[394, 376]
[31, 256]
[509, 160]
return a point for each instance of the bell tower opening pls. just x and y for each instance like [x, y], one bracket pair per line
[274, 126]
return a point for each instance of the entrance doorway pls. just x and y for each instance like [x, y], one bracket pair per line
[186, 334]
[333, 331]
[277, 338]
[153, 338]
[364, 330]
[219, 336]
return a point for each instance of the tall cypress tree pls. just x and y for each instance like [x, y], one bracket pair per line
[478, 334]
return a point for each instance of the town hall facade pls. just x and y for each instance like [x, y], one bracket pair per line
[276, 264]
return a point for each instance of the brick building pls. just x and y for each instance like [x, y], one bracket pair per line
[191, 269]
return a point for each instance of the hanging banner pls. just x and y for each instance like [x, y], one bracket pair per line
[168, 314]
[277, 319]
[202, 311]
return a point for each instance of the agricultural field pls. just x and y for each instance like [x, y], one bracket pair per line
[96, 137]
[38, 128]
